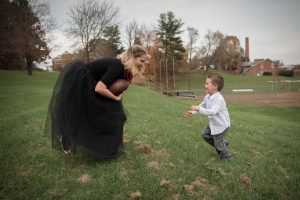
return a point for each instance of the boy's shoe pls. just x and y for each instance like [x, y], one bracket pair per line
[227, 143]
[227, 159]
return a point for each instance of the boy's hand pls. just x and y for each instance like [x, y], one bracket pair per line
[195, 108]
[189, 114]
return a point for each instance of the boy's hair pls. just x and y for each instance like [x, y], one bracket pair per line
[217, 80]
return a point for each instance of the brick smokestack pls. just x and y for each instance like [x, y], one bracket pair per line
[247, 49]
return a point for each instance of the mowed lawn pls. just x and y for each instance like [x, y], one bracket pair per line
[195, 81]
[165, 155]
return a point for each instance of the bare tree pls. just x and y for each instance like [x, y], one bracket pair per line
[88, 20]
[209, 49]
[147, 35]
[42, 10]
[193, 36]
[229, 53]
[132, 30]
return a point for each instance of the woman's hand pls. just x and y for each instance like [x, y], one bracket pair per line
[119, 98]
[102, 89]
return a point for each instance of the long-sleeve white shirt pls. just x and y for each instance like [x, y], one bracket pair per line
[214, 106]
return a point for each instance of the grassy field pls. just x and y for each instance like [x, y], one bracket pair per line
[196, 79]
[165, 157]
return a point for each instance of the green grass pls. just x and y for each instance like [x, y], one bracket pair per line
[264, 140]
[195, 81]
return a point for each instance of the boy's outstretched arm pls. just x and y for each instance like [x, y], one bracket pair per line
[195, 108]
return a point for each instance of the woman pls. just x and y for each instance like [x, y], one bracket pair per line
[83, 114]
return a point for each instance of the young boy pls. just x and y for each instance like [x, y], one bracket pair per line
[214, 106]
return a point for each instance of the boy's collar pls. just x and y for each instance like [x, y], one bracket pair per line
[212, 96]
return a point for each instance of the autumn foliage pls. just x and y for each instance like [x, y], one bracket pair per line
[22, 36]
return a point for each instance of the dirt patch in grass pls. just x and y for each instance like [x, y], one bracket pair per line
[245, 179]
[153, 164]
[24, 171]
[277, 99]
[136, 195]
[145, 148]
[85, 178]
[164, 183]
[199, 182]
[162, 153]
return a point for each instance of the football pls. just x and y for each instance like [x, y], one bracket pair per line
[118, 87]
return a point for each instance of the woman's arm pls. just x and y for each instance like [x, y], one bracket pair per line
[101, 88]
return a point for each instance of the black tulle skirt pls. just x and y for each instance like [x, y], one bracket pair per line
[82, 119]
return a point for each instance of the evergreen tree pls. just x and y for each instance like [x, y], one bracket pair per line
[112, 35]
[169, 30]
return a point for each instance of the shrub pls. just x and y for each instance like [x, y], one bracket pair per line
[286, 73]
[267, 73]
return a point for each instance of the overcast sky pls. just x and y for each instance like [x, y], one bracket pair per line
[271, 25]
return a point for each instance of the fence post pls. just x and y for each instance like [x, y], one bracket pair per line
[167, 80]
[173, 75]
[160, 82]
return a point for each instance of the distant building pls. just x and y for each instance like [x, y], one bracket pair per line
[259, 67]
[57, 63]
[297, 70]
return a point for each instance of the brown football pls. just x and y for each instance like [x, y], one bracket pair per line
[118, 86]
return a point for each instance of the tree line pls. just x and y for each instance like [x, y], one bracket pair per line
[94, 26]
[24, 24]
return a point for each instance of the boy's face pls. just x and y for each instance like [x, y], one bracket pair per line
[210, 88]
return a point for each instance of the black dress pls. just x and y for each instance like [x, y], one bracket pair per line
[83, 119]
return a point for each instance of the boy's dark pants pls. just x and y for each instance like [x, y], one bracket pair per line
[218, 141]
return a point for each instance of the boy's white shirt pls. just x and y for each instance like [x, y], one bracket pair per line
[214, 106]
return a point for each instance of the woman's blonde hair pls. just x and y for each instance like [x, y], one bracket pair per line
[128, 56]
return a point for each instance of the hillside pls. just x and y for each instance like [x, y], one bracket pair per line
[165, 155]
